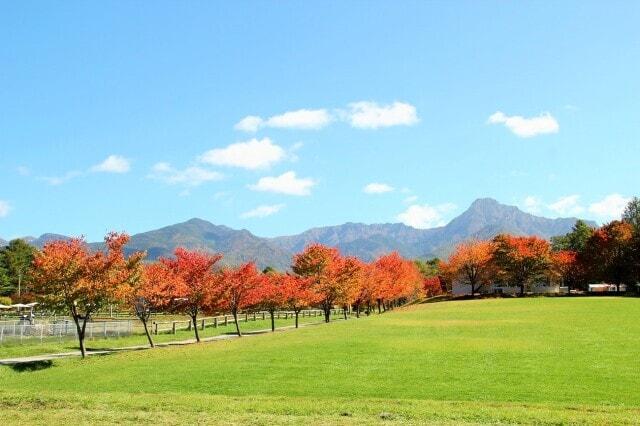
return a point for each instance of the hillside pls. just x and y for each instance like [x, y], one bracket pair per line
[485, 218]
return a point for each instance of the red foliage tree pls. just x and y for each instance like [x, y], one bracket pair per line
[240, 286]
[270, 294]
[432, 286]
[607, 253]
[298, 293]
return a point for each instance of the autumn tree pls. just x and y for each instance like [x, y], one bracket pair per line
[240, 288]
[298, 293]
[366, 290]
[194, 286]
[394, 279]
[565, 267]
[471, 263]
[319, 263]
[520, 261]
[68, 277]
[152, 293]
[270, 294]
[348, 274]
[432, 286]
[607, 253]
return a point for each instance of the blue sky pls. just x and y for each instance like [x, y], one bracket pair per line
[133, 115]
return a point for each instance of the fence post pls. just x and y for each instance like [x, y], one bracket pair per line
[225, 320]
[263, 316]
[246, 317]
[155, 326]
[215, 322]
[203, 324]
[189, 326]
[254, 316]
[104, 326]
[173, 327]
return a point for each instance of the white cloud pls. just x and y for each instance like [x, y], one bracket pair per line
[5, 208]
[191, 176]
[305, 119]
[532, 204]
[377, 188]
[526, 127]
[568, 205]
[425, 216]
[286, 183]
[262, 211]
[252, 154]
[250, 124]
[309, 119]
[410, 199]
[113, 164]
[59, 180]
[610, 207]
[370, 115]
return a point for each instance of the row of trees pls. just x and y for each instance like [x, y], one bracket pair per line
[610, 253]
[67, 277]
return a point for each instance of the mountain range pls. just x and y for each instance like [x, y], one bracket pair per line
[485, 218]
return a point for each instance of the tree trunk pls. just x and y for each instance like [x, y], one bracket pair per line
[521, 289]
[344, 311]
[327, 313]
[379, 302]
[146, 331]
[80, 330]
[273, 321]
[235, 318]
[194, 319]
[357, 310]
[297, 312]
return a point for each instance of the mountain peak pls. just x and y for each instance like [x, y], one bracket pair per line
[485, 202]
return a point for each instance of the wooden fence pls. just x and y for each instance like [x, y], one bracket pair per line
[225, 320]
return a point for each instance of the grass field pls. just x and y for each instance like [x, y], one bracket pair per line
[534, 360]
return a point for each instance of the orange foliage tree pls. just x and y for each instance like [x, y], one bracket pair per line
[152, 293]
[319, 263]
[519, 261]
[67, 276]
[565, 266]
[471, 263]
[192, 285]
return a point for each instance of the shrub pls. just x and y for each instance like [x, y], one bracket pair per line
[5, 300]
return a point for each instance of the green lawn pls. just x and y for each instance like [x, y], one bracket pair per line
[535, 360]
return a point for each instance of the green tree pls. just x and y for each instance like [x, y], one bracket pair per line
[575, 240]
[631, 214]
[429, 267]
[17, 260]
[5, 284]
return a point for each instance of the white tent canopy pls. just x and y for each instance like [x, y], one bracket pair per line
[19, 305]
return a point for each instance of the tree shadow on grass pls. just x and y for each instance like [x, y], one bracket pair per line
[26, 367]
